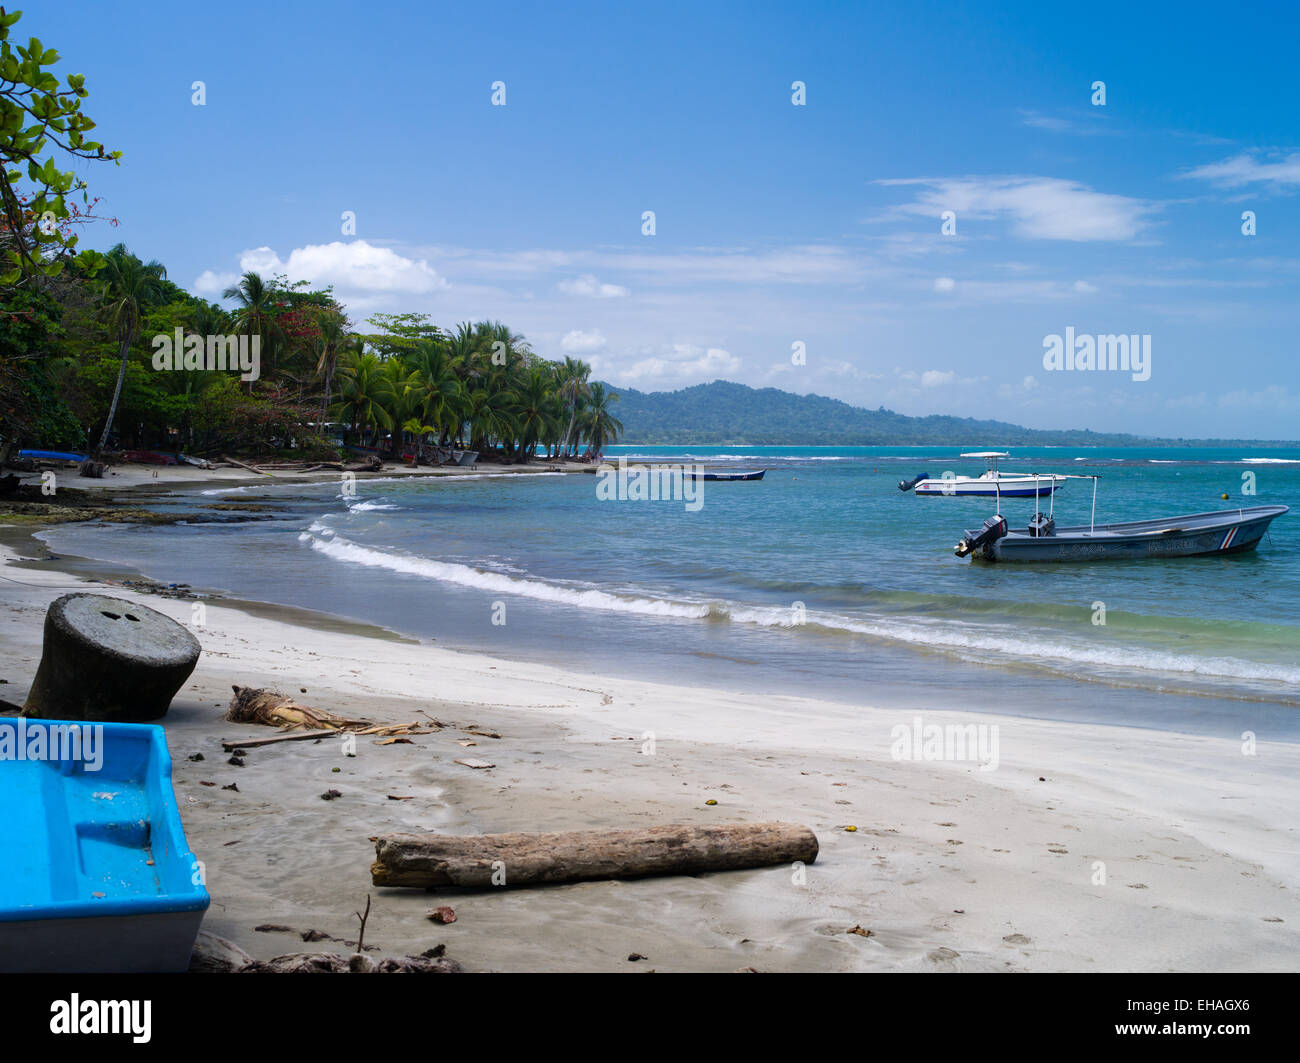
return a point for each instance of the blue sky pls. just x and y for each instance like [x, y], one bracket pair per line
[775, 224]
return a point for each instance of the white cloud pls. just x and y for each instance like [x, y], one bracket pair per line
[840, 368]
[211, 283]
[1039, 208]
[835, 369]
[944, 284]
[1018, 290]
[359, 272]
[934, 378]
[587, 285]
[683, 361]
[1090, 128]
[577, 340]
[1084, 288]
[356, 265]
[1246, 169]
[1272, 397]
[799, 264]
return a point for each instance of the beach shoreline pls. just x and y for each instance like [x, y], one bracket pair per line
[137, 478]
[951, 867]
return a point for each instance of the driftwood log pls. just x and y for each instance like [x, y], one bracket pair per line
[254, 705]
[241, 465]
[531, 859]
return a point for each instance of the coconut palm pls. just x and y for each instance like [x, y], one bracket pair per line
[365, 394]
[334, 341]
[537, 409]
[254, 314]
[490, 416]
[461, 348]
[443, 393]
[208, 319]
[406, 397]
[127, 286]
[601, 426]
[573, 389]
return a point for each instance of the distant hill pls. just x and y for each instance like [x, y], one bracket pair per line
[726, 413]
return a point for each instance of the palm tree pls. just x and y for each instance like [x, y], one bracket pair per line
[254, 314]
[419, 430]
[405, 398]
[489, 416]
[536, 410]
[364, 394]
[507, 353]
[443, 404]
[572, 376]
[208, 319]
[601, 425]
[128, 285]
[334, 341]
[461, 348]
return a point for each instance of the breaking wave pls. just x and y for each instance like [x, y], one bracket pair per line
[986, 642]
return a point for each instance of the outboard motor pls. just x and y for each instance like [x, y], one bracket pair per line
[1041, 524]
[907, 485]
[994, 528]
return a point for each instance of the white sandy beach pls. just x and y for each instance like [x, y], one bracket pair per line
[951, 868]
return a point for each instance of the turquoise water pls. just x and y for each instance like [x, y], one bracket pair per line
[823, 578]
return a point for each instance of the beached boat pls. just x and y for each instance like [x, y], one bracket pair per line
[95, 872]
[465, 457]
[1226, 531]
[150, 457]
[51, 455]
[989, 484]
[723, 477]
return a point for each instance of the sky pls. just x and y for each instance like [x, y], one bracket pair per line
[499, 160]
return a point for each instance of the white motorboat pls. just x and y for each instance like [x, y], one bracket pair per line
[989, 484]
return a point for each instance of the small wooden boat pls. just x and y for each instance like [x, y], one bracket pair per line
[1228, 531]
[465, 458]
[724, 477]
[989, 484]
[95, 872]
[149, 457]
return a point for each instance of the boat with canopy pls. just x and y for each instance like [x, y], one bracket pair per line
[1189, 535]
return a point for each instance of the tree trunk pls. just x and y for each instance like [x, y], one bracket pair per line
[568, 436]
[117, 394]
[526, 859]
[325, 410]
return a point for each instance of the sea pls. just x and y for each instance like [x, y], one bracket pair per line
[823, 579]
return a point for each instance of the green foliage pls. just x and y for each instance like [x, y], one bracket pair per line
[143, 407]
[32, 407]
[479, 386]
[38, 112]
[127, 287]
